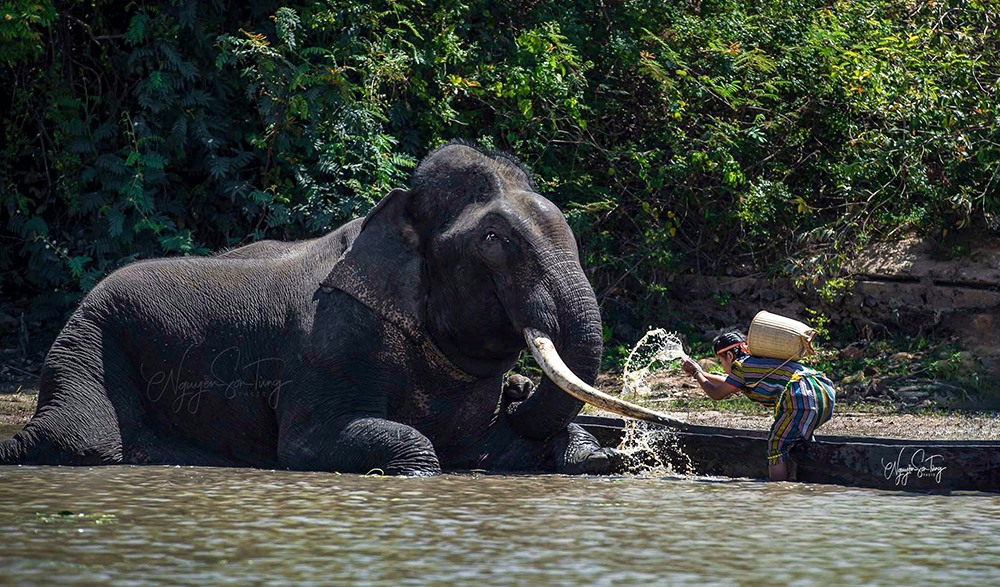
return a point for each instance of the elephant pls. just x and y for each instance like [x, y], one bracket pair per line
[381, 346]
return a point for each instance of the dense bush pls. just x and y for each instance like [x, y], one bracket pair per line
[765, 136]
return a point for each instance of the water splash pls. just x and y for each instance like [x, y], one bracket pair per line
[650, 450]
[654, 349]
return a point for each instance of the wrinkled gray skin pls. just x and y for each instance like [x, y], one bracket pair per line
[380, 346]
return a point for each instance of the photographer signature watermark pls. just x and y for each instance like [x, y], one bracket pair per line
[227, 374]
[919, 464]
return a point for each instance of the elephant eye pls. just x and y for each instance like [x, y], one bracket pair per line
[490, 236]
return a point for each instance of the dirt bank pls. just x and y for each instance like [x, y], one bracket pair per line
[15, 411]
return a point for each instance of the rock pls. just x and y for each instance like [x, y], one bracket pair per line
[858, 377]
[913, 394]
[851, 353]
[913, 397]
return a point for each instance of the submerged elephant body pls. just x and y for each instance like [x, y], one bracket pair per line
[380, 346]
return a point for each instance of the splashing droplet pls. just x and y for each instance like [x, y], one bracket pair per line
[651, 450]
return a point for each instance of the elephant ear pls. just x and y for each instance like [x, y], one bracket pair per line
[383, 269]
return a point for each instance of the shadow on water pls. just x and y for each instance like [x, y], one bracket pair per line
[195, 525]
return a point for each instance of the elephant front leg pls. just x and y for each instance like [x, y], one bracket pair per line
[573, 451]
[577, 452]
[359, 445]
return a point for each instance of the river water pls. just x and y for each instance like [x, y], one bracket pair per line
[182, 525]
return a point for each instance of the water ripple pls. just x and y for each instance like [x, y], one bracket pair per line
[176, 525]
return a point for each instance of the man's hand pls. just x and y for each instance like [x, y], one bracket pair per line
[690, 366]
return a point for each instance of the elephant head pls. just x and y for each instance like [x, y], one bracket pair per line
[471, 257]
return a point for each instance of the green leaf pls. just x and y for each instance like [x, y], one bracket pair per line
[136, 32]
[35, 226]
[76, 265]
[116, 222]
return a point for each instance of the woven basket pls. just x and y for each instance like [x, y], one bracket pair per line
[778, 337]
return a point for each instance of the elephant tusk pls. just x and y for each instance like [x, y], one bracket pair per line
[555, 369]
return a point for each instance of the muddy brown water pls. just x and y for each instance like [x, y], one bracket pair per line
[182, 525]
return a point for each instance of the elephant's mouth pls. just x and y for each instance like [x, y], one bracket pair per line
[556, 370]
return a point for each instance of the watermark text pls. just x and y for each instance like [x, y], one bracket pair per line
[919, 464]
[228, 373]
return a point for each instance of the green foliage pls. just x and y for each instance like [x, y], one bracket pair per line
[21, 26]
[705, 135]
[68, 517]
[614, 358]
[942, 375]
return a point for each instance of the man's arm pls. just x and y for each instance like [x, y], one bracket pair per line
[714, 386]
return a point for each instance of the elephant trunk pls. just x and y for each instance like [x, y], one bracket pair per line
[577, 335]
[570, 365]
